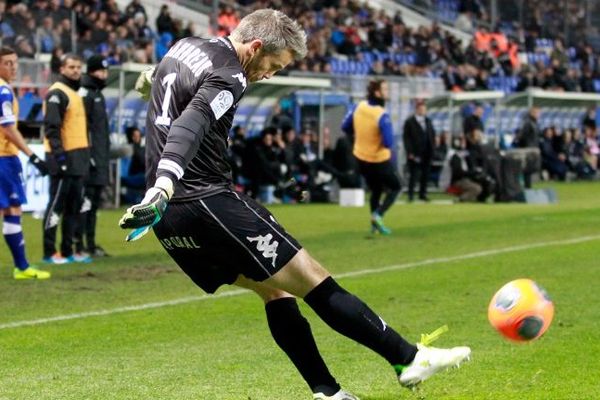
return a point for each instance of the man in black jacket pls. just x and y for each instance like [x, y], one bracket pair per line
[97, 122]
[528, 137]
[418, 137]
[68, 158]
[474, 122]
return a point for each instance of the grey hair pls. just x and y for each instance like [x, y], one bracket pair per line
[277, 31]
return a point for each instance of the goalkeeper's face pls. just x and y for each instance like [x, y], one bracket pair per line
[264, 66]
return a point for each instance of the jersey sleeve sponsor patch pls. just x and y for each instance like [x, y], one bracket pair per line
[221, 103]
[7, 109]
[7, 117]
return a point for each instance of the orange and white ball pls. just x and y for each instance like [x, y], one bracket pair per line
[521, 310]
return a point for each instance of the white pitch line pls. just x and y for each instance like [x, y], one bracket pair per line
[230, 293]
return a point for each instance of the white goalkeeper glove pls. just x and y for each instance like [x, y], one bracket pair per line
[143, 216]
[143, 85]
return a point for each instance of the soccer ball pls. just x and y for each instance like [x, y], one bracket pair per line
[521, 310]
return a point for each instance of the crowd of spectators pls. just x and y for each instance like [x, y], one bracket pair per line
[348, 30]
[382, 44]
[45, 26]
[280, 165]
[571, 153]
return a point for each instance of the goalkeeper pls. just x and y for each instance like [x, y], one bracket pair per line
[218, 236]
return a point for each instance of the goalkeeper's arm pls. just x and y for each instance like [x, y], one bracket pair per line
[183, 141]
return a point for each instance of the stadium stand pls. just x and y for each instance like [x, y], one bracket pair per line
[346, 38]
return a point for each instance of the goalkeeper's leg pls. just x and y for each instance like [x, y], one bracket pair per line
[293, 335]
[347, 314]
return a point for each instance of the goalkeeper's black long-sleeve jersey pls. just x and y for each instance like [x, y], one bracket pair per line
[195, 92]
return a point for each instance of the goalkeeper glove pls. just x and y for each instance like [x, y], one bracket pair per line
[143, 85]
[141, 217]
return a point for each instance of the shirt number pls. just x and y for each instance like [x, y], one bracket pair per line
[167, 81]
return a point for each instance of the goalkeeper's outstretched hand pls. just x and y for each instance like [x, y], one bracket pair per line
[143, 84]
[143, 216]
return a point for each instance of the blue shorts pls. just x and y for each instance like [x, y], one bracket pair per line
[12, 186]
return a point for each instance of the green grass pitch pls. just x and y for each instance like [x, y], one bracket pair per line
[445, 263]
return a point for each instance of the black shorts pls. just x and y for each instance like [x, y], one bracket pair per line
[217, 238]
[380, 175]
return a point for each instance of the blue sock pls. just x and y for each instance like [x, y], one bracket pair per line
[13, 234]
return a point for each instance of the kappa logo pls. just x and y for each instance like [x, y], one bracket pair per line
[240, 77]
[54, 219]
[266, 245]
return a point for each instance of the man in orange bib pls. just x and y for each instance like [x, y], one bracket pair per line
[371, 127]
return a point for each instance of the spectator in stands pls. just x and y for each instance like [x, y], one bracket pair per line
[559, 54]
[553, 163]
[236, 149]
[527, 79]
[280, 118]
[227, 20]
[307, 155]
[164, 21]
[574, 148]
[570, 81]
[47, 35]
[55, 62]
[163, 44]
[24, 48]
[586, 81]
[528, 137]
[592, 149]
[133, 179]
[92, 84]
[293, 148]
[270, 159]
[143, 30]
[590, 117]
[419, 141]
[64, 29]
[137, 167]
[61, 10]
[68, 157]
[134, 8]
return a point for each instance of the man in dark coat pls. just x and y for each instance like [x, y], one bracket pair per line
[474, 122]
[418, 137]
[97, 121]
[528, 137]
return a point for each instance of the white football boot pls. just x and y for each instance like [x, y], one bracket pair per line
[341, 395]
[431, 360]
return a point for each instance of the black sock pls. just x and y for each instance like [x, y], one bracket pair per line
[348, 315]
[389, 200]
[292, 333]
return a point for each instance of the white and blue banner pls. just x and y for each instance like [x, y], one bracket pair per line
[37, 187]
